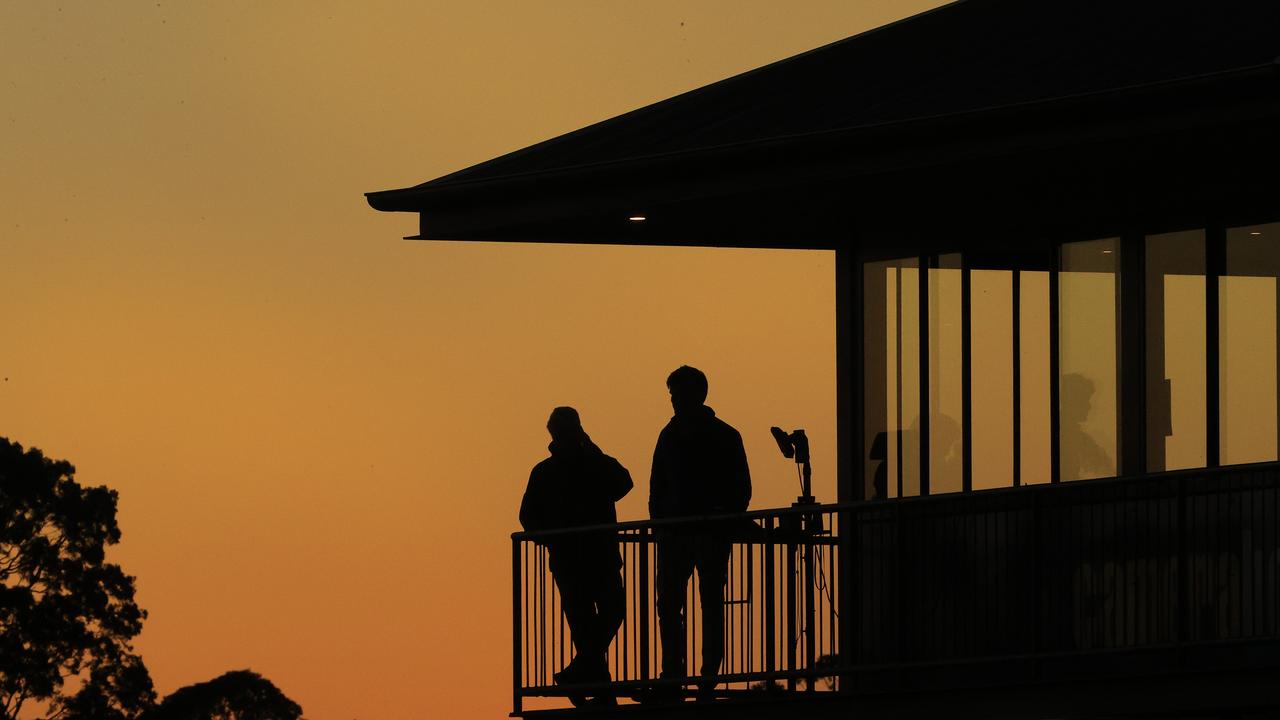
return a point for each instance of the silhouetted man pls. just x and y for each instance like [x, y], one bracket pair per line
[578, 486]
[699, 468]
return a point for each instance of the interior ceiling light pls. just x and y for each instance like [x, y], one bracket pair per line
[637, 218]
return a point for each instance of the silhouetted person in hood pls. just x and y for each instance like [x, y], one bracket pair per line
[699, 468]
[577, 486]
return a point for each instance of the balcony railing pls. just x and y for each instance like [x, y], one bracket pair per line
[1003, 586]
[781, 619]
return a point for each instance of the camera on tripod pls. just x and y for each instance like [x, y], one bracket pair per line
[796, 445]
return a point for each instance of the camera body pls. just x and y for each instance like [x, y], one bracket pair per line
[793, 445]
[796, 445]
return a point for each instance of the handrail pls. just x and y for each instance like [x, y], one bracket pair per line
[684, 520]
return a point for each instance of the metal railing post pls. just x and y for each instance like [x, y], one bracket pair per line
[810, 637]
[643, 604]
[516, 646]
[770, 603]
[791, 613]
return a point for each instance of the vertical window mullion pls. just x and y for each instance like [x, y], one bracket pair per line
[898, 385]
[966, 378]
[1215, 260]
[926, 263]
[1131, 433]
[1017, 377]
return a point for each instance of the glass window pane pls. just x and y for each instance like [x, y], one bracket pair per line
[991, 347]
[1087, 384]
[1175, 350]
[907, 395]
[1033, 354]
[892, 382]
[1247, 345]
[945, 395]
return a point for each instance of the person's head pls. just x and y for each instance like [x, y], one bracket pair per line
[688, 388]
[1075, 394]
[564, 425]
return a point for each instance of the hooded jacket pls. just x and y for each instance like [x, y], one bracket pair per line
[577, 486]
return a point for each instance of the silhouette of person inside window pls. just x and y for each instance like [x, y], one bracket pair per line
[1082, 456]
[577, 486]
[699, 468]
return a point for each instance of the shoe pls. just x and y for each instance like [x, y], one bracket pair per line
[601, 701]
[571, 674]
[706, 694]
[568, 674]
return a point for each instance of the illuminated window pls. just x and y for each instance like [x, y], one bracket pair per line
[1088, 310]
[991, 359]
[1035, 428]
[1247, 339]
[946, 394]
[891, 316]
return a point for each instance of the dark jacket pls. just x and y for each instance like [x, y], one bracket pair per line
[577, 486]
[699, 467]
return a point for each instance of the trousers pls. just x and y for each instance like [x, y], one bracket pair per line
[594, 604]
[679, 554]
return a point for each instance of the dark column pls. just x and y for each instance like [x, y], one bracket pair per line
[926, 262]
[966, 378]
[1017, 377]
[1215, 266]
[850, 427]
[1131, 370]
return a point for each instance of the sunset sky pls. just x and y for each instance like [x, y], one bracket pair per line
[320, 432]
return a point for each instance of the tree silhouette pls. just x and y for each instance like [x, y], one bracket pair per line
[64, 611]
[236, 695]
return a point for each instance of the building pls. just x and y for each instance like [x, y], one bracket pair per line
[1057, 237]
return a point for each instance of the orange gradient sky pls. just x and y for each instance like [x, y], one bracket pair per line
[320, 432]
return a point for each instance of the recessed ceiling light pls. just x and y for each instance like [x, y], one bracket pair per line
[1255, 233]
[637, 218]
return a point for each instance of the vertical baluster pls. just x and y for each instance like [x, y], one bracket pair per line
[770, 613]
[517, 657]
[833, 620]
[643, 605]
[790, 603]
[751, 550]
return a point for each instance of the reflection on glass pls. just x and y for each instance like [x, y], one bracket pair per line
[945, 391]
[1087, 386]
[991, 346]
[891, 320]
[1247, 345]
[1175, 350]
[1033, 391]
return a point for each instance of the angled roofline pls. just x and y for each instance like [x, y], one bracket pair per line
[416, 198]
[693, 94]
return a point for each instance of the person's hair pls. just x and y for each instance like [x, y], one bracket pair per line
[564, 417]
[688, 382]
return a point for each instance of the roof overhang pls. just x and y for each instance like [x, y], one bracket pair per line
[696, 197]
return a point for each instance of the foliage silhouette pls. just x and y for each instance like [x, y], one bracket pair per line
[236, 695]
[64, 611]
